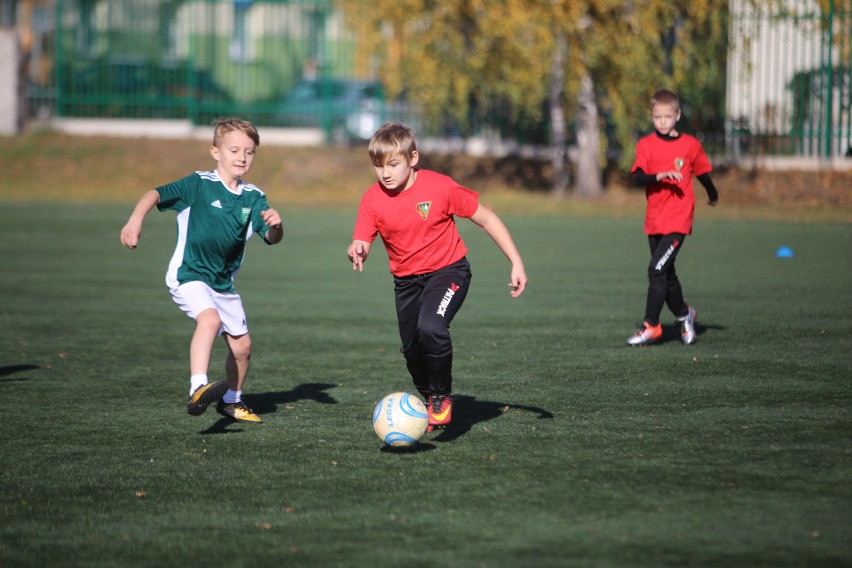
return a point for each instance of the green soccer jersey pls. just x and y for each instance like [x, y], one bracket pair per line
[213, 226]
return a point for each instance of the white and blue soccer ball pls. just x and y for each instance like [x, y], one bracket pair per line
[400, 419]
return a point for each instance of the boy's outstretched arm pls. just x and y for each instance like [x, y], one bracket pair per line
[496, 229]
[133, 229]
[358, 252]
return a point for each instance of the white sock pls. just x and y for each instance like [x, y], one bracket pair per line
[232, 396]
[196, 381]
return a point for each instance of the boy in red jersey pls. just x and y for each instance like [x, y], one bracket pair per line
[413, 210]
[665, 164]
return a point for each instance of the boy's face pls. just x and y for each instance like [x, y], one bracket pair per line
[234, 155]
[665, 117]
[397, 173]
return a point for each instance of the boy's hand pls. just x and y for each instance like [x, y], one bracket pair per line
[670, 175]
[519, 281]
[130, 234]
[275, 233]
[133, 229]
[271, 218]
[357, 253]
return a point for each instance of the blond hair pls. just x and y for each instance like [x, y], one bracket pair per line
[665, 97]
[222, 126]
[392, 139]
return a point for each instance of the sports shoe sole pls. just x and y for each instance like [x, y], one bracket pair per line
[204, 396]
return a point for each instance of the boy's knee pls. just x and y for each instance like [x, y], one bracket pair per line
[209, 319]
[657, 280]
[241, 347]
[241, 351]
[433, 333]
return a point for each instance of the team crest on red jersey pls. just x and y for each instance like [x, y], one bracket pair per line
[423, 208]
[678, 163]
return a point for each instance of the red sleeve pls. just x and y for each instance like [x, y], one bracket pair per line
[462, 202]
[365, 223]
[701, 164]
[640, 162]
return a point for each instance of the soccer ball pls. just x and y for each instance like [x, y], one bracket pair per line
[400, 419]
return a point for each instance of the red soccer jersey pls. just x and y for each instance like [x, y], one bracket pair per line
[417, 225]
[671, 203]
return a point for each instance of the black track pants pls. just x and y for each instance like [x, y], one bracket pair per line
[425, 306]
[663, 284]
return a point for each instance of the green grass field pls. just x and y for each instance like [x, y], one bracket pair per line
[568, 448]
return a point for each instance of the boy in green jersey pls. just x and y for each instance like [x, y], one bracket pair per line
[216, 214]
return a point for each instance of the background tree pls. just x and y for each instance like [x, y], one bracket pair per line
[586, 68]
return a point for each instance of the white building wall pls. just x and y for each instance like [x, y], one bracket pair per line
[767, 50]
[765, 55]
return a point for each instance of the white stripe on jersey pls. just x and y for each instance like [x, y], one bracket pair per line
[214, 176]
[177, 257]
[249, 233]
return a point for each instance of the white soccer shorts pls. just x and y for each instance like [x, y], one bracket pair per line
[195, 297]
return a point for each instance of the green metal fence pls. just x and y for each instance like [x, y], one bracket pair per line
[294, 63]
[276, 62]
[790, 78]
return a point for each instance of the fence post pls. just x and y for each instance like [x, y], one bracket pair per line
[10, 100]
[829, 98]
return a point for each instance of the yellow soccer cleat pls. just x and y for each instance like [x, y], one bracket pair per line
[204, 395]
[239, 412]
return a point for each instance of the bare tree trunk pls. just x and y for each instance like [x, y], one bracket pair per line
[558, 130]
[589, 182]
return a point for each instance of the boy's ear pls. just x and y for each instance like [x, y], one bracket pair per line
[415, 157]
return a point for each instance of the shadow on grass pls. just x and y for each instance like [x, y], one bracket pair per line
[467, 411]
[671, 332]
[12, 369]
[221, 426]
[267, 403]
[415, 449]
